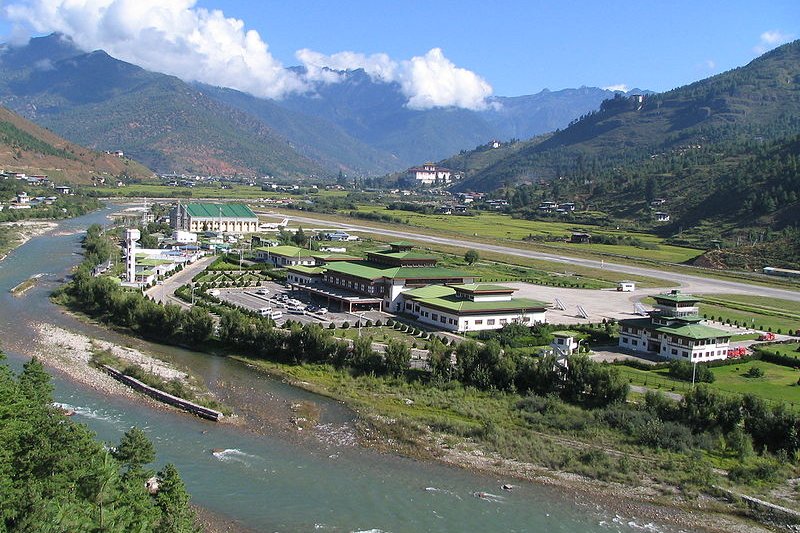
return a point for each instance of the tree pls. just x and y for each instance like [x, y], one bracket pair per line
[134, 450]
[172, 498]
[300, 238]
[34, 382]
[397, 357]
[471, 256]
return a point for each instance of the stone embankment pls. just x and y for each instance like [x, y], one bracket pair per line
[161, 396]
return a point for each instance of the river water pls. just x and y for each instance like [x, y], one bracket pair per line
[280, 482]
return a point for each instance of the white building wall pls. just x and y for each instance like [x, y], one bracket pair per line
[453, 322]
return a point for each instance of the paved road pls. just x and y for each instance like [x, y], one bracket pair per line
[165, 293]
[690, 283]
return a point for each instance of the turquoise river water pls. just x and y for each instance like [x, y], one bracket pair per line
[280, 482]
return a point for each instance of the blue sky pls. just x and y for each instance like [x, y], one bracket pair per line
[502, 48]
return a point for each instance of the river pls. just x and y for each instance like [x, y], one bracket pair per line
[279, 482]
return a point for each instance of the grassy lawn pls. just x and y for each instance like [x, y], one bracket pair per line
[779, 383]
[751, 312]
[751, 319]
[380, 334]
[500, 226]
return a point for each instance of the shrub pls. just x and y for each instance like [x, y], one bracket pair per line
[762, 470]
[378, 323]
[332, 326]
[345, 325]
[754, 372]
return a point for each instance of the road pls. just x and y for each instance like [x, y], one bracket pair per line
[688, 282]
[165, 293]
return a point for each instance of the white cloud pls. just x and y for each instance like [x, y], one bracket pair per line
[170, 36]
[771, 39]
[618, 87]
[197, 44]
[427, 81]
[710, 64]
[379, 67]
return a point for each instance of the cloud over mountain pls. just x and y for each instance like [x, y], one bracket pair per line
[427, 81]
[198, 44]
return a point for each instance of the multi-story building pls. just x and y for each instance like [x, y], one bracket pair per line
[674, 331]
[225, 218]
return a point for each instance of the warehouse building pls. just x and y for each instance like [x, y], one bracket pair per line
[222, 218]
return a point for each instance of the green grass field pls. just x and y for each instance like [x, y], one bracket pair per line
[751, 319]
[379, 334]
[500, 226]
[779, 383]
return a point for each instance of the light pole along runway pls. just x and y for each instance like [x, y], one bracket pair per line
[688, 282]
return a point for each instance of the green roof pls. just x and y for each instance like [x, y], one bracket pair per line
[152, 262]
[204, 210]
[450, 303]
[482, 287]
[286, 251]
[429, 291]
[675, 297]
[372, 271]
[404, 255]
[565, 333]
[328, 256]
[402, 244]
[694, 331]
[306, 269]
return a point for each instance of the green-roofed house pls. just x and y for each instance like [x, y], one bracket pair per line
[386, 274]
[674, 331]
[197, 217]
[471, 306]
[286, 256]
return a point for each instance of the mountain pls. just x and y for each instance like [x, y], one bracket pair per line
[358, 125]
[757, 102]
[107, 104]
[375, 113]
[720, 155]
[26, 147]
[310, 135]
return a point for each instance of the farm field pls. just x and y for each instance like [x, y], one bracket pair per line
[779, 383]
[499, 226]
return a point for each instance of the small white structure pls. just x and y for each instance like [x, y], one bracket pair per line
[661, 216]
[565, 342]
[184, 237]
[626, 286]
[131, 236]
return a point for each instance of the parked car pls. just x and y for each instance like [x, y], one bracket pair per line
[769, 336]
[262, 291]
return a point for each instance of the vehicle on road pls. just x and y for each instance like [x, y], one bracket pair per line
[769, 336]
[263, 292]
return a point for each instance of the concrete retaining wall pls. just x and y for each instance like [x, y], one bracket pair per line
[180, 403]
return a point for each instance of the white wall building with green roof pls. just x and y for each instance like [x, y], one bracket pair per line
[674, 331]
[233, 218]
[472, 307]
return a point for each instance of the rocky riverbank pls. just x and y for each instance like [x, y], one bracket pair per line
[21, 232]
[72, 354]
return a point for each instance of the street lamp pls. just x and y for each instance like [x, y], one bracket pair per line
[193, 287]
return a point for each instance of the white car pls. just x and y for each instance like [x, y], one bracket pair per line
[262, 291]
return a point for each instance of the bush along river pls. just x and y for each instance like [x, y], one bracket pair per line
[277, 478]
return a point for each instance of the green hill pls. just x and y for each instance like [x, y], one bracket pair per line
[720, 155]
[26, 147]
[107, 104]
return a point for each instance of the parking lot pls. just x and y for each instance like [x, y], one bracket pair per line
[293, 305]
